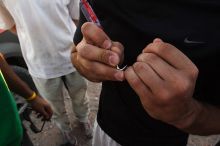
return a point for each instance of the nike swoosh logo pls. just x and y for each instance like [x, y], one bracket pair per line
[187, 41]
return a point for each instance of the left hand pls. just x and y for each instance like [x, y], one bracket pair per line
[42, 107]
[164, 79]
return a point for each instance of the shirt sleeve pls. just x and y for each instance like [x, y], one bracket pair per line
[6, 20]
[74, 9]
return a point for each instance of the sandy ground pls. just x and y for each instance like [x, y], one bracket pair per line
[51, 136]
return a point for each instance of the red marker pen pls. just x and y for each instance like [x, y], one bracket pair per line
[89, 13]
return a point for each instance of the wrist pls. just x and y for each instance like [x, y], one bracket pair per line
[188, 121]
[32, 97]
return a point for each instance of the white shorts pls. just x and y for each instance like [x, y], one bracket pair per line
[100, 138]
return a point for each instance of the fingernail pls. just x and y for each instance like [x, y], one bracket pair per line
[107, 44]
[157, 40]
[113, 60]
[119, 75]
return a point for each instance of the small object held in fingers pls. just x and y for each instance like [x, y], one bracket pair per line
[123, 68]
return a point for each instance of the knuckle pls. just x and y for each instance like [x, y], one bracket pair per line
[135, 82]
[164, 97]
[161, 47]
[193, 73]
[82, 49]
[138, 66]
[73, 57]
[89, 68]
[74, 60]
[181, 87]
[73, 47]
[184, 86]
[119, 45]
[151, 57]
[104, 56]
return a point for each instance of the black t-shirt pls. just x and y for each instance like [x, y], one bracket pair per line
[190, 25]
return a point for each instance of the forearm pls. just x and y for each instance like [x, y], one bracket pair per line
[14, 82]
[204, 120]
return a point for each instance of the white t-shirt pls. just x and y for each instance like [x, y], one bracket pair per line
[45, 30]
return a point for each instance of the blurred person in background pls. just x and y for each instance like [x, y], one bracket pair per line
[45, 30]
[10, 124]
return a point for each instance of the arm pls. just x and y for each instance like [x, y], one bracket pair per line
[204, 121]
[20, 87]
[164, 79]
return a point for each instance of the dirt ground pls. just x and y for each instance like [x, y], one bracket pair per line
[51, 136]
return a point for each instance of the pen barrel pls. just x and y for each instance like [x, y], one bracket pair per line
[89, 13]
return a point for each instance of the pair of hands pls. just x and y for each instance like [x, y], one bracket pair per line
[42, 107]
[162, 76]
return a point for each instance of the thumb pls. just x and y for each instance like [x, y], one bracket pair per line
[94, 35]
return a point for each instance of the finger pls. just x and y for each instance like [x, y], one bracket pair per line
[49, 111]
[164, 70]
[100, 71]
[45, 114]
[74, 58]
[119, 49]
[95, 35]
[148, 76]
[93, 53]
[170, 54]
[139, 87]
[73, 49]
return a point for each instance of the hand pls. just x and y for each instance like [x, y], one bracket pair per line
[96, 56]
[164, 79]
[41, 106]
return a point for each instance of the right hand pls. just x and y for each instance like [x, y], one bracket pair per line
[164, 79]
[41, 106]
[96, 56]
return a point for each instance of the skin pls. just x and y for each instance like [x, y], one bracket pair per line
[163, 78]
[39, 104]
[100, 63]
